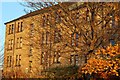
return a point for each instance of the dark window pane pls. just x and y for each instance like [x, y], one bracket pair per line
[112, 42]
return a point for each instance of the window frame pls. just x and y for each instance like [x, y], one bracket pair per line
[57, 36]
[56, 57]
[18, 27]
[19, 62]
[42, 58]
[12, 28]
[21, 40]
[74, 59]
[43, 38]
[7, 61]
[9, 30]
[11, 44]
[19, 43]
[16, 60]
[21, 27]
[74, 39]
[10, 61]
[47, 37]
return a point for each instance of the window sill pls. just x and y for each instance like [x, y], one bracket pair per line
[56, 62]
[19, 48]
[10, 33]
[19, 31]
[9, 49]
[17, 65]
[30, 55]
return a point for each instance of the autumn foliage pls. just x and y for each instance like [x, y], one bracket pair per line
[105, 62]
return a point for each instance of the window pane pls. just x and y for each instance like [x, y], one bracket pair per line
[72, 59]
[77, 36]
[43, 38]
[32, 29]
[76, 59]
[10, 61]
[112, 42]
[72, 36]
[16, 60]
[12, 29]
[11, 43]
[57, 36]
[20, 42]
[19, 60]
[21, 29]
[42, 57]
[18, 29]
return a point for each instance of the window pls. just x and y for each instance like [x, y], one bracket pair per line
[47, 33]
[56, 58]
[19, 63]
[10, 61]
[42, 57]
[75, 38]
[57, 37]
[19, 43]
[7, 61]
[32, 29]
[77, 16]
[45, 38]
[47, 19]
[42, 37]
[44, 21]
[11, 29]
[57, 18]
[112, 42]
[10, 44]
[72, 39]
[87, 15]
[18, 60]
[74, 59]
[30, 65]
[48, 60]
[31, 46]
[20, 27]
[112, 21]
[110, 24]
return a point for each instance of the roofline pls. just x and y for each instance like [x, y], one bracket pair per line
[36, 12]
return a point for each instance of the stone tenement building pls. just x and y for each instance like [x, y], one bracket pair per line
[37, 41]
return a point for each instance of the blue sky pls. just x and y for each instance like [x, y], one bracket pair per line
[8, 12]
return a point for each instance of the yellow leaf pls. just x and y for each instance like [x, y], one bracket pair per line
[117, 74]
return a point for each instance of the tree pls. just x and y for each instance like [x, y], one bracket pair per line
[1, 57]
[104, 63]
[89, 25]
